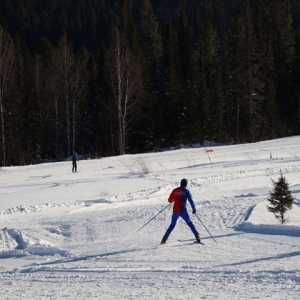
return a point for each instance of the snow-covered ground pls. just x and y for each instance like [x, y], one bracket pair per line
[71, 235]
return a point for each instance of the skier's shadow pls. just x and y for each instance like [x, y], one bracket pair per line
[217, 236]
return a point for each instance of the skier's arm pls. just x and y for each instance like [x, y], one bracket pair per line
[190, 198]
[171, 198]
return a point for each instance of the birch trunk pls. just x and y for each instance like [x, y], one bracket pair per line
[124, 84]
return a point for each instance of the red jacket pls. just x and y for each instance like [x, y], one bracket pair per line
[179, 196]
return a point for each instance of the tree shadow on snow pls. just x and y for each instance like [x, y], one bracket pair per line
[276, 257]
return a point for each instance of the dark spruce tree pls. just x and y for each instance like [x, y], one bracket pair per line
[150, 123]
[95, 132]
[296, 82]
[47, 93]
[276, 38]
[284, 54]
[208, 87]
[169, 102]
[187, 102]
[101, 135]
[280, 198]
[29, 118]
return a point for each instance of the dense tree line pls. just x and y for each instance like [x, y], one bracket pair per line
[126, 76]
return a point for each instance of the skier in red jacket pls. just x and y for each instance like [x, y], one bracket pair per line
[179, 197]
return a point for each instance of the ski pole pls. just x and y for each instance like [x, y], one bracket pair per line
[205, 227]
[155, 216]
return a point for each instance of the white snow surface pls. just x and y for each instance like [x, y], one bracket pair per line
[71, 235]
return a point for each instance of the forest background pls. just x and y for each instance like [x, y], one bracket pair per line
[112, 77]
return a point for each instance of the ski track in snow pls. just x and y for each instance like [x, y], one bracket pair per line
[197, 182]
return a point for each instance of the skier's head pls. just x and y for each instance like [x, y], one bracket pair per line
[183, 182]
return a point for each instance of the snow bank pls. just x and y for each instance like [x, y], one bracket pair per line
[260, 220]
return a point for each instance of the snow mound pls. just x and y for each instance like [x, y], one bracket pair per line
[16, 243]
[38, 250]
[25, 209]
[260, 220]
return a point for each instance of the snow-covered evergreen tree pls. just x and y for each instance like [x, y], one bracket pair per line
[280, 198]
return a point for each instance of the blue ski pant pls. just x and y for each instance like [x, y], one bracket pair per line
[185, 216]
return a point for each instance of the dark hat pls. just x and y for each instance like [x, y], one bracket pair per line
[184, 182]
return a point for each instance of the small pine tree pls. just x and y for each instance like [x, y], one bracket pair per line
[280, 198]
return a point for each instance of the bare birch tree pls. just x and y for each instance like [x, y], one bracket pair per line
[72, 88]
[6, 64]
[124, 83]
[65, 62]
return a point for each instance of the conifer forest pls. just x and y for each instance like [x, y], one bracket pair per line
[113, 77]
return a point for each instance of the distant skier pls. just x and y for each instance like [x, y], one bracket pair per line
[74, 162]
[179, 196]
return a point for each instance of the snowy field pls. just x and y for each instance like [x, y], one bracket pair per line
[67, 235]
